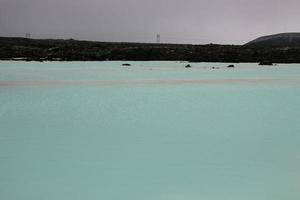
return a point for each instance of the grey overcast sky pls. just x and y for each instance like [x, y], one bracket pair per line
[177, 21]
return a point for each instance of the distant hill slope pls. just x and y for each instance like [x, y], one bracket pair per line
[281, 39]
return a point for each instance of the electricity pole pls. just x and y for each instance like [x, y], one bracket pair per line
[158, 38]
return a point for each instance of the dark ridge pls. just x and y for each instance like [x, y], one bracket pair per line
[74, 50]
[279, 40]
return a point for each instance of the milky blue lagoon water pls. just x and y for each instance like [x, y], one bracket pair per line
[152, 131]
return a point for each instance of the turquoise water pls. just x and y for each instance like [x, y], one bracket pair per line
[152, 131]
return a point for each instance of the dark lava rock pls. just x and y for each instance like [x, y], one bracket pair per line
[265, 49]
[230, 66]
[126, 64]
[188, 66]
[266, 63]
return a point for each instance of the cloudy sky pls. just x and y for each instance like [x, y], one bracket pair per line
[177, 21]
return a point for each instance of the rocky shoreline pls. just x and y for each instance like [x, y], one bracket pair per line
[74, 50]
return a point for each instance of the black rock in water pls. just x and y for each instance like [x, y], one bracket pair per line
[126, 64]
[188, 66]
[230, 66]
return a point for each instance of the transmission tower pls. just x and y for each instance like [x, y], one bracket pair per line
[158, 38]
[27, 35]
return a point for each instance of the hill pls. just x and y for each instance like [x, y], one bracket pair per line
[282, 39]
[74, 50]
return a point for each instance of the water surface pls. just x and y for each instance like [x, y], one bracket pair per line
[152, 131]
